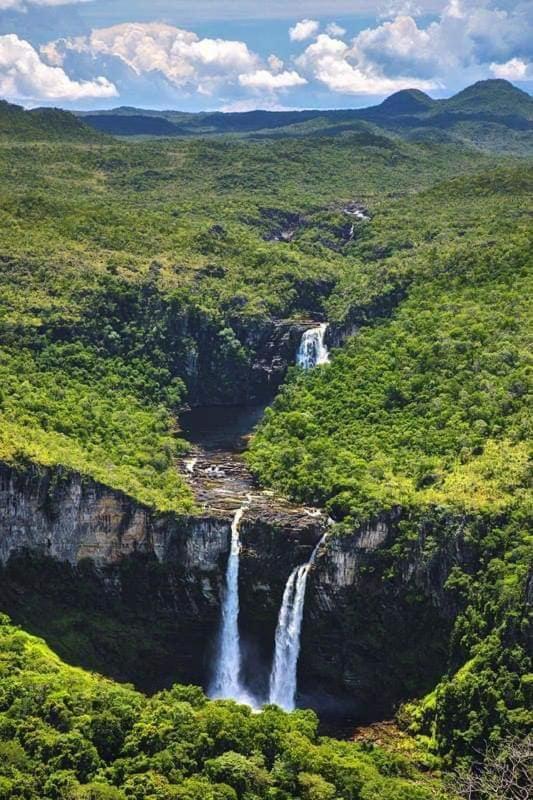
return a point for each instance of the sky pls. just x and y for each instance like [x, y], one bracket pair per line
[237, 55]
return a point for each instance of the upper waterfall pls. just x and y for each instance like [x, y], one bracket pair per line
[226, 683]
[283, 679]
[312, 350]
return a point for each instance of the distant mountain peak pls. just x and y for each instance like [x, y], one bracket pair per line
[407, 101]
[494, 94]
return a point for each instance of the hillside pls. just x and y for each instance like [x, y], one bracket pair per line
[491, 115]
[139, 278]
[42, 123]
[194, 276]
[74, 735]
[492, 96]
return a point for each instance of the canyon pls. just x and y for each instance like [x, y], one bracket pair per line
[92, 570]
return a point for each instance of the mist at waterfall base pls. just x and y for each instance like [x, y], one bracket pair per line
[227, 681]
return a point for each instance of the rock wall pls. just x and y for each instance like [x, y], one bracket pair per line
[135, 594]
[378, 615]
[69, 518]
[83, 564]
[77, 551]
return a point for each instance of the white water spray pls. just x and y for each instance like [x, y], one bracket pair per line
[313, 351]
[190, 465]
[287, 648]
[226, 682]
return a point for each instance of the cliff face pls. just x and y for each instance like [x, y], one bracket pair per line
[133, 593]
[70, 518]
[243, 363]
[378, 615]
[76, 553]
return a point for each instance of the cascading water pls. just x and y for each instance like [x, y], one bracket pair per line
[287, 645]
[226, 682]
[313, 351]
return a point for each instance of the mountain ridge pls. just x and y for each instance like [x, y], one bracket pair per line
[492, 114]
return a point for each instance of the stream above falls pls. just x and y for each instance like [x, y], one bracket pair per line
[221, 428]
[217, 473]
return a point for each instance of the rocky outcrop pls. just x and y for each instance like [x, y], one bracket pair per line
[69, 518]
[136, 594]
[65, 538]
[274, 352]
[83, 562]
[378, 614]
[245, 363]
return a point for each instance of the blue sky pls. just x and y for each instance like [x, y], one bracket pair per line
[243, 54]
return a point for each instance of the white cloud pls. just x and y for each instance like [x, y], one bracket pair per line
[275, 63]
[395, 8]
[305, 29]
[24, 76]
[263, 80]
[335, 30]
[467, 40]
[513, 70]
[185, 60]
[332, 62]
[250, 104]
[470, 40]
[21, 5]
[51, 54]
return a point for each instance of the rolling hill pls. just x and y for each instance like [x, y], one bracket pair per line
[490, 115]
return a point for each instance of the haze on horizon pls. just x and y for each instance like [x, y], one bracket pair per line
[88, 54]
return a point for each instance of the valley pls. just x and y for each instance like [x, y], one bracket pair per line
[264, 450]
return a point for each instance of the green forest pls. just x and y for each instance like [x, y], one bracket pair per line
[136, 279]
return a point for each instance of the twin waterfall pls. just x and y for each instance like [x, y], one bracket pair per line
[312, 351]
[226, 681]
[287, 650]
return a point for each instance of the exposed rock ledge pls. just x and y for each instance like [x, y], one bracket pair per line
[64, 518]
[372, 636]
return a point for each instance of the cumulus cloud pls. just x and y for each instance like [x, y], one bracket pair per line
[516, 69]
[182, 57]
[263, 80]
[305, 29]
[275, 63]
[469, 40]
[396, 8]
[335, 30]
[24, 76]
[332, 62]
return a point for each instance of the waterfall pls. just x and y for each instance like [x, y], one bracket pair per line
[312, 351]
[287, 644]
[226, 681]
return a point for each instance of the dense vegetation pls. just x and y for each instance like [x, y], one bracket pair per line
[429, 411]
[123, 265]
[137, 276]
[66, 734]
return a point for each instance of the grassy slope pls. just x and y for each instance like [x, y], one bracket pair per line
[89, 231]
